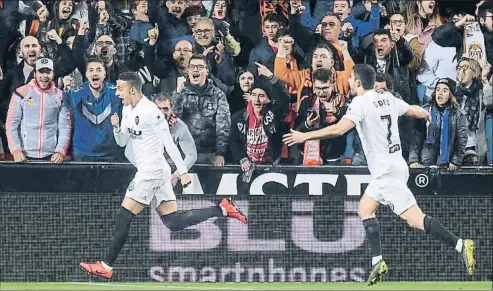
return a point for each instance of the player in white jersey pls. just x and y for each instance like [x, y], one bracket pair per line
[375, 117]
[145, 133]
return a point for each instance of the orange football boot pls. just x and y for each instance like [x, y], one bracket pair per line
[232, 211]
[97, 269]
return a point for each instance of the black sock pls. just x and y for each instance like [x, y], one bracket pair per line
[434, 228]
[183, 219]
[123, 220]
[373, 232]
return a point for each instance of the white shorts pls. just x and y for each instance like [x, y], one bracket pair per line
[393, 192]
[153, 190]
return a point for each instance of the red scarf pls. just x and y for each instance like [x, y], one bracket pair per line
[257, 142]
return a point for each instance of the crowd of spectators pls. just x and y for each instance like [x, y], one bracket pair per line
[233, 76]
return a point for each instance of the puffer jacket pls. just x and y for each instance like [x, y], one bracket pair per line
[428, 154]
[37, 121]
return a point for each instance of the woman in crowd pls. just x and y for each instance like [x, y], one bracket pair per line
[245, 82]
[443, 141]
[422, 18]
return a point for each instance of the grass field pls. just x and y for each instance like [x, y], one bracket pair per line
[249, 286]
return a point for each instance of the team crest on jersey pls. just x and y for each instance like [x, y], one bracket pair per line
[136, 120]
[210, 106]
[30, 101]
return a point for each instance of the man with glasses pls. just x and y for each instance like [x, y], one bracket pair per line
[179, 132]
[170, 71]
[205, 110]
[325, 107]
[105, 50]
[211, 45]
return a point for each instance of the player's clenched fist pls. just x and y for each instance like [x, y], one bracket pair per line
[185, 180]
[115, 120]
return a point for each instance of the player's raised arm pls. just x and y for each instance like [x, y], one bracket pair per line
[418, 112]
[295, 137]
[120, 137]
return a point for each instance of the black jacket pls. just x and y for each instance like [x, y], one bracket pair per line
[62, 67]
[274, 126]
[329, 148]
[397, 66]
[428, 154]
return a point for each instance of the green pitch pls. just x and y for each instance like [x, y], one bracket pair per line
[249, 286]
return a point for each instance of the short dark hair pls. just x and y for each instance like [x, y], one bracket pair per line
[382, 77]
[331, 13]
[366, 75]
[162, 96]
[348, 3]
[326, 47]
[283, 31]
[322, 75]
[273, 17]
[199, 57]
[95, 59]
[133, 79]
[383, 32]
[192, 11]
[485, 8]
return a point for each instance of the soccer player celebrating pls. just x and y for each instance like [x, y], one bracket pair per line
[375, 117]
[145, 133]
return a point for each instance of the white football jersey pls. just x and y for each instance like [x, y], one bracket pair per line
[376, 116]
[145, 132]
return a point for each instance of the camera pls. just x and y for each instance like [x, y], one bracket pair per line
[312, 113]
[217, 39]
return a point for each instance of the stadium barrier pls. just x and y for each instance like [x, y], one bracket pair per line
[303, 226]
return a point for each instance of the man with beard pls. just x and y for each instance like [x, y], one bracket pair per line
[302, 80]
[323, 108]
[105, 51]
[331, 27]
[205, 110]
[374, 115]
[93, 104]
[391, 54]
[31, 51]
[212, 47]
[179, 132]
[38, 125]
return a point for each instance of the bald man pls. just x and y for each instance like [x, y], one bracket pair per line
[23, 73]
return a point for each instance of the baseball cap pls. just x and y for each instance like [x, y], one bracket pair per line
[449, 82]
[44, 63]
